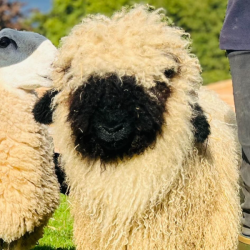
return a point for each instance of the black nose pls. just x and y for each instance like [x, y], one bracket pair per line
[113, 129]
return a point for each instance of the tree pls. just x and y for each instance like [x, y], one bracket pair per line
[58, 22]
[202, 19]
[66, 13]
[11, 15]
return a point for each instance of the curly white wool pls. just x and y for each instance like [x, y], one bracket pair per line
[175, 196]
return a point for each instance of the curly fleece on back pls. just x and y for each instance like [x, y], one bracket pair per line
[29, 192]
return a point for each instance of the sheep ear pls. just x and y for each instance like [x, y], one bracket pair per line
[200, 124]
[42, 110]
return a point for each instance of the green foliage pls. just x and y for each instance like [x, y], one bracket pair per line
[67, 13]
[59, 232]
[202, 19]
[63, 16]
[105, 7]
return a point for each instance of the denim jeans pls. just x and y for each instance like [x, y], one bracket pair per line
[240, 71]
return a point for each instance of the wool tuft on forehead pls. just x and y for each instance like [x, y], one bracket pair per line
[135, 43]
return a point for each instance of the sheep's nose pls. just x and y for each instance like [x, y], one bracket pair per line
[113, 129]
[110, 121]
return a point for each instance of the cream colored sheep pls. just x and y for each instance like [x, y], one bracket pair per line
[29, 192]
[151, 157]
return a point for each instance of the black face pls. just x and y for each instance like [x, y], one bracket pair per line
[111, 118]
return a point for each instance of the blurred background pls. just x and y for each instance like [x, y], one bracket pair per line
[54, 19]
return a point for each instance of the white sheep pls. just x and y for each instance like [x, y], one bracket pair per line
[151, 157]
[29, 192]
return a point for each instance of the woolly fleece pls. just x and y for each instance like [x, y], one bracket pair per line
[29, 192]
[178, 195]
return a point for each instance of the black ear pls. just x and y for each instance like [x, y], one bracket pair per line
[42, 110]
[60, 175]
[200, 124]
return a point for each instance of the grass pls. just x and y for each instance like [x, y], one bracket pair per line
[58, 234]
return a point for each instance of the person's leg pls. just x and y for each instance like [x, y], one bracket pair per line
[240, 70]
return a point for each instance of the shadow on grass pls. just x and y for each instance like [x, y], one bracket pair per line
[52, 248]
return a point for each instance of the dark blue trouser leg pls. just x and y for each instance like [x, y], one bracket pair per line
[240, 70]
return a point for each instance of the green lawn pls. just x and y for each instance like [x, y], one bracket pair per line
[58, 233]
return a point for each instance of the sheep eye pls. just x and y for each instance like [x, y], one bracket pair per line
[4, 42]
[169, 73]
[161, 91]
